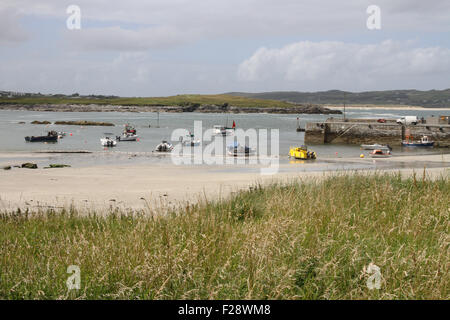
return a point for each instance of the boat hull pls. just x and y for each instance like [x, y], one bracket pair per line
[42, 139]
[418, 144]
[302, 154]
[372, 146]
[127, 138]
[108, 142]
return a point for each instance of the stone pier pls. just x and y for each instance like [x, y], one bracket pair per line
[370, 131]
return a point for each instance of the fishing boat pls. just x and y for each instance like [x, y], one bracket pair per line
[224, 130]
[423, 142]
[190, 140]
[164, 146]
[129, 134]
[52, 136]
[108, 142]
[375, 146]
[380, 153]
[302, 153]
[238, 150]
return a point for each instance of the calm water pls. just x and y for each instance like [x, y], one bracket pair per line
[88, 138]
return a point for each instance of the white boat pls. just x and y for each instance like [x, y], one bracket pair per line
[127, 137]
[223, 131]
[380, 153]
[108, 142]
[375, 146]
[190, 140]
[238, 150]
[164, 146]
[61, 134]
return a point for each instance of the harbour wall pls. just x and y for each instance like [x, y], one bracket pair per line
[370, 131]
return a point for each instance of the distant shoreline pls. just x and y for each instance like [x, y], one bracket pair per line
[384, 107]
[206, 108]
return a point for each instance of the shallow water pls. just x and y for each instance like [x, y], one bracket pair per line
[88, 138]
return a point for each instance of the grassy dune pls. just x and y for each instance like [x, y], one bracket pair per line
[179, 100]
[299, 241]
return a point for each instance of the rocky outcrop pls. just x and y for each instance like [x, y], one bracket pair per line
[84, 123]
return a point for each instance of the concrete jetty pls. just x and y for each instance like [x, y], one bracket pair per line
[367, 131]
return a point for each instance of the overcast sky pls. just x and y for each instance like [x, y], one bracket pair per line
[167, 47]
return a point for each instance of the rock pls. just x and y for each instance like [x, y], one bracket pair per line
[29, 165]
[59, 166]
[41, 122]
[7, 168]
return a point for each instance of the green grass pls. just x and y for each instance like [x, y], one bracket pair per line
[298, 241]
[179, 100]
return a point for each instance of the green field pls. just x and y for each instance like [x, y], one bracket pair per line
[179, 100]
[298, 241]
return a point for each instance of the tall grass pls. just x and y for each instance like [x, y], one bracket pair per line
[296, 241]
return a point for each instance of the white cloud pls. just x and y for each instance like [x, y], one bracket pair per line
[345, 65]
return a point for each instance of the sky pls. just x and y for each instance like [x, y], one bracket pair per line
[169, 47]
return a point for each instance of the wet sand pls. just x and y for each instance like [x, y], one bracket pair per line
[149, 186]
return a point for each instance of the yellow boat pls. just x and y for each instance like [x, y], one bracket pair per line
[302, 153]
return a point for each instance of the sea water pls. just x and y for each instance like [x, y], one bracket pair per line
[87, 138]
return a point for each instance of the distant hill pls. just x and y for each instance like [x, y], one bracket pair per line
[427, 99]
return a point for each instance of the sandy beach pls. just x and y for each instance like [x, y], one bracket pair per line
[150, 186]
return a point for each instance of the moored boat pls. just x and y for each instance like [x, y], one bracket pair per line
[52, 136]
[224, 130]
[375, 146]
[108, 142]
[237, 150]
[129, 134]
[380, 153]
[423, 142]
[164, 146]
[190, 140]
[302, 153]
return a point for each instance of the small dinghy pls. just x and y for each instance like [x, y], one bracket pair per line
[52, 136]
[164, 146]
[108, 142]
[238, 150]
[190, 141]
[380, 153]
